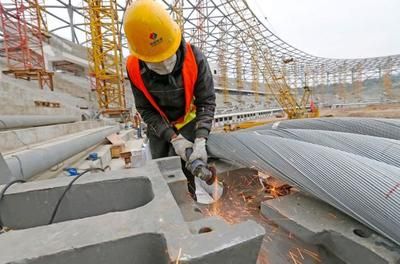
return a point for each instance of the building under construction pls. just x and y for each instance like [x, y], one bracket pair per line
[304, 151]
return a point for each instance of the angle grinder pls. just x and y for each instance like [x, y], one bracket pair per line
[201, 169]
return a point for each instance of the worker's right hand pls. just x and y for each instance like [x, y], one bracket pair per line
[180, 144]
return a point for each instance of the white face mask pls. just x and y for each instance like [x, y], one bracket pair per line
[164, 67]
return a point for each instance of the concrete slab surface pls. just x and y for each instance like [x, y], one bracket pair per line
[320, 224]
[241, 201]
[125, 216]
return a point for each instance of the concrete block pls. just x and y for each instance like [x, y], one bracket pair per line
[318, 223]
[85, 199]
[104, 158]
[126, 216]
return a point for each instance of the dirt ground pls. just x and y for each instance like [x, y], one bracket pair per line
[382, 111]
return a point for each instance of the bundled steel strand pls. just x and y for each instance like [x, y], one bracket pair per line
[365, 189]
[388, 128]
[377, 148]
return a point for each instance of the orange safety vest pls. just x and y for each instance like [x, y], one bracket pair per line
[189, 76]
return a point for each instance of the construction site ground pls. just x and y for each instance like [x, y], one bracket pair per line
[243, 195]
[243, 198]
[384, 111]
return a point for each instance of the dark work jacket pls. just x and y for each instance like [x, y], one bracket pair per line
[168, 92]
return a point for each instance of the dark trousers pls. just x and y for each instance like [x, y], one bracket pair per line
[161, 149]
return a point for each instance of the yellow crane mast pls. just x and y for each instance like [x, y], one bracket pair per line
[105, 56]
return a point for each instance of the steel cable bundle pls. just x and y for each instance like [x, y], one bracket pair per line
[366, 189]
[377, 148]
[378, 127]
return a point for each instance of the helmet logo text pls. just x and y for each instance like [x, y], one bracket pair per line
[153, 36]
[156, 40]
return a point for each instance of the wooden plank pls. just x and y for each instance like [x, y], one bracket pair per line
[116, 140]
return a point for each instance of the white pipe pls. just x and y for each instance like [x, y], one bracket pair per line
[25, 164]
[20, 121]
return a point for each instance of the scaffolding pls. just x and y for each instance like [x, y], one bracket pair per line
[387, 81]
[314, 80]
[254, 72]
[222, 65]
[21, 24]
[200, 33]
[239, 71]
[269, 89]
[321, 72]
[341, 84]
[177, 13]
[105, 56]
[357, 82]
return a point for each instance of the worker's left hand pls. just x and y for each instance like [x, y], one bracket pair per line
[199, 150]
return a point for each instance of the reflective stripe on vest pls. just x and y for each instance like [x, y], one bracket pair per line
[189, 76]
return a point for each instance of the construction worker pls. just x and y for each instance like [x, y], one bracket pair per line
[171, 82]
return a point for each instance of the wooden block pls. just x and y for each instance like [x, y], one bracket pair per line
[127, 156]
[47, 104]
[126, 153]
[116, 151]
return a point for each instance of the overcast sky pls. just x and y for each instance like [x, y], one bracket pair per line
[335, 28]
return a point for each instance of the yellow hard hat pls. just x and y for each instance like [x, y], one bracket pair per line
[152, 34]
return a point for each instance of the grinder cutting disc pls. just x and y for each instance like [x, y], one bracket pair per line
[208, 194]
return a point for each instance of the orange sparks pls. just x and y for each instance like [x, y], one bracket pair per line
[179, 256]
[332, 215]
[244, 197]
[301, 255]
[312, 254]
[293, 256]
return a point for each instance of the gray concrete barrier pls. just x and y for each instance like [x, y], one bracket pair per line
[127, 216]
